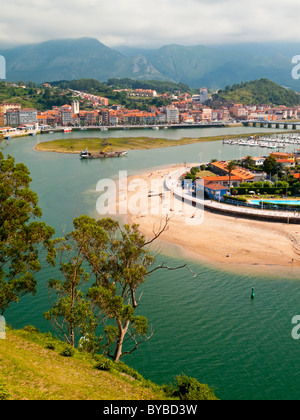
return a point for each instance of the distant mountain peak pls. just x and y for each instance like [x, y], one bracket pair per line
[86, 57]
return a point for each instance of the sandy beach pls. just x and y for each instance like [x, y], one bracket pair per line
[229, 243]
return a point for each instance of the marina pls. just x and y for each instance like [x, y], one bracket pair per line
[269, 142]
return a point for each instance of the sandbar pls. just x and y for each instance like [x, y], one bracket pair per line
[227, 243]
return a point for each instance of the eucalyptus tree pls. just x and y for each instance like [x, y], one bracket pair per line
[115, 262]
[23, 239]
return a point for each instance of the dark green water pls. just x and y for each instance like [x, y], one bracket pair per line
[207, 327]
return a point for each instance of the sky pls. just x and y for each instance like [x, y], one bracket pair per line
[150, 23]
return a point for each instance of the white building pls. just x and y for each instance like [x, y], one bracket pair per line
[28, 116]
[66, 117]
[75, 107]
[203, 95]
[172, 115]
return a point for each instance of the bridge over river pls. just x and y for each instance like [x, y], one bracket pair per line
[272, 124]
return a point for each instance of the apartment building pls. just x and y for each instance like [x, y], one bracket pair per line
[7, 107]
[172, 115]
[28, 116]
[12, 117]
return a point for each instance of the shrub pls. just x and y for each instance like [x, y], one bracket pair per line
[67, 351]
[50, 345]
[4, 394]
[237, 199]
[31, 329]
[186, 388]
[103, 363]
[123, 368]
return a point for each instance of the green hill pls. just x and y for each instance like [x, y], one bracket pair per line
[36, 366]
[31, 371]
[257, 92]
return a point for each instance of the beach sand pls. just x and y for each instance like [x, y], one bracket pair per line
[228, 243]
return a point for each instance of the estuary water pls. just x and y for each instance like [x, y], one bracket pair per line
[206, 327]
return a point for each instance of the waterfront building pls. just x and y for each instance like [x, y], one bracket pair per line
[66, 116]
[172, 115]
[203, 95]
[75, 107]
[12, 117]
[220, 168]
[224, 180]
[214, 190]
[28, 116]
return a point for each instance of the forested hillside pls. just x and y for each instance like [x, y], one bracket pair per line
[257, 92]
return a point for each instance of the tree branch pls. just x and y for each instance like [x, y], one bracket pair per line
[161, 230]
[163, 266]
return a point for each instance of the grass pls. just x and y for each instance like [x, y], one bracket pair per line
[118, 144]
[31, 371]
[126, 143]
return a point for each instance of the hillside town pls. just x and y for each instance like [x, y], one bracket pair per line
[184, 109]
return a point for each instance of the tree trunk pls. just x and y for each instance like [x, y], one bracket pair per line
[120, 341]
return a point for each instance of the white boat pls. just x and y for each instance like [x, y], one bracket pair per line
[155, 128]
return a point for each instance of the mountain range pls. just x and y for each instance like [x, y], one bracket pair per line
[214, 66]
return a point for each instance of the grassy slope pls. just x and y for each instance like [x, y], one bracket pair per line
[31, 371]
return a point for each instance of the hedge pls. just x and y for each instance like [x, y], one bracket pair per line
[263, 190]
[230, 197]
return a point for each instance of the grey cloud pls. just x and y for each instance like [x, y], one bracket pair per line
[155, 22]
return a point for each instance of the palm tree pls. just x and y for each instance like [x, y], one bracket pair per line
[230, 168]
[248, 161]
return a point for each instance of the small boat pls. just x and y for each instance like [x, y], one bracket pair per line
[103, 129]
[155, 128]
[102, 155]
[67, 130]
[7, 137]
[85, 154]
[83, 129]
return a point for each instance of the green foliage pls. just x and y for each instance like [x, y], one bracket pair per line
[67, 351]
[30, 97]
[237, 199]
[4, 394]
[194, 170]
[270, 165]
[123, 368]
[103, 363]
[257, 92]
[22, 238]
[107, 90]
[115, 261]
[159, 86]
[186, 388]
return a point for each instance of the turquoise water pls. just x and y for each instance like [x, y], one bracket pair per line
[293, 202]
[207, 327]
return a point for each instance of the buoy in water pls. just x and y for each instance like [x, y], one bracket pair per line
[252, 294]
